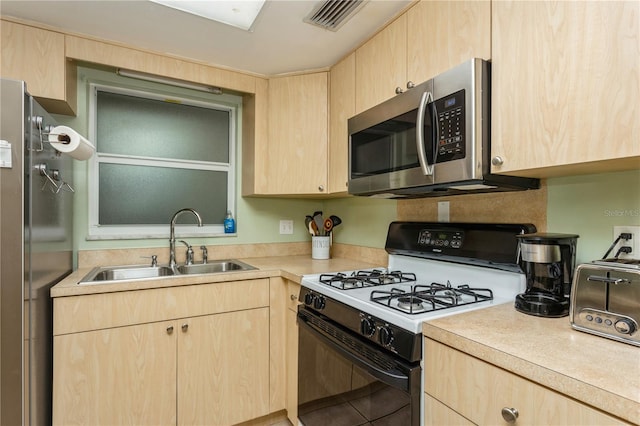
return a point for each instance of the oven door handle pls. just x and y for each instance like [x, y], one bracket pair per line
[427, 168]
[399, 381]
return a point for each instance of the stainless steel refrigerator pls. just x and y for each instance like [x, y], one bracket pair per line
[36, 252]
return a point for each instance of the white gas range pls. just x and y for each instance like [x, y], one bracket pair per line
[372, 319]
[410, 290]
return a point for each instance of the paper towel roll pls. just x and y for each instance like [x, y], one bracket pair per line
[68, 141]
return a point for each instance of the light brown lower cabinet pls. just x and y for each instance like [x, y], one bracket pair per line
[463, 390]
[208, 369]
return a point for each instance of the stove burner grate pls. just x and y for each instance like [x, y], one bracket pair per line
[360, 279]
[428, 298]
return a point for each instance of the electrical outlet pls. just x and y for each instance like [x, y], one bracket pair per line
[286, 227]
[634, 242]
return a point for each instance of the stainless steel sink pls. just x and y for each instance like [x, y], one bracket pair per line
[104, 274]
[120, 273]
[213, 267]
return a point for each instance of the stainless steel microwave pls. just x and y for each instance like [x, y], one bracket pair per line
[432, 140]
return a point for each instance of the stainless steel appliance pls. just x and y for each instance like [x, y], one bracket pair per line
[360, 332]
[36, 252]
[431, 140]
[605, 299]
[548, 261]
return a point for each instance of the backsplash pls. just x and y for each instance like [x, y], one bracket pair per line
[504, 207]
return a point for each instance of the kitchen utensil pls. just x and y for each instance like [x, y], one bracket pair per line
[328, 226]
[307, 222]
[313, 228]
[336, 220]
[317, 218]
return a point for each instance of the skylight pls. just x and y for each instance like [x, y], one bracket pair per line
[237, 13]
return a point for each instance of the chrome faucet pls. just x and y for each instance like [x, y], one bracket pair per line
[172, 236]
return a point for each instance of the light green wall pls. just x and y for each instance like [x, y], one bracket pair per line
[365, 220]
[590, 206]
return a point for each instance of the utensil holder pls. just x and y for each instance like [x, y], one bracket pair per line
[320, 247]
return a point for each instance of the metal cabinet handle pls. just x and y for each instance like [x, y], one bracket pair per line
[399, 90]
[185, 327]
[293, 297]
[497, 161]
[321, 188]
[510, 415]
[410, 84]
[170, 329]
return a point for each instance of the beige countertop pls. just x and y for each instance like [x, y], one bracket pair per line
[599, 372]
[289, 267]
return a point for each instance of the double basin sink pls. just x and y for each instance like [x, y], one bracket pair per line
[105, 274]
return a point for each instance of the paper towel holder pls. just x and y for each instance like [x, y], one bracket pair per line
[44, 134]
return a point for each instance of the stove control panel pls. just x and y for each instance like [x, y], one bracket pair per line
[366, 326]
[441, 238]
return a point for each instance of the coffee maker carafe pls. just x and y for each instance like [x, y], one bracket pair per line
[548, 262]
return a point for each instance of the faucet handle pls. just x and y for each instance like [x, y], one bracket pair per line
[154, 259]
[205, 254]
[189, 260]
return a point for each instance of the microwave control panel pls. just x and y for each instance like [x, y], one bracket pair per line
[451, 128]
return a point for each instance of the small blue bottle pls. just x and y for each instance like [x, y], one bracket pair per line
[229, 223]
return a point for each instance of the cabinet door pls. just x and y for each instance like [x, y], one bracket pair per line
[443, 34]
[565, 86]
[38, 57]
[381, 65]
[223, 368]
[298, 135]
[479, 391]
[119, 376]
[342, 105]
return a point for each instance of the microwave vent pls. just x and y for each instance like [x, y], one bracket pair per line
[332, 14]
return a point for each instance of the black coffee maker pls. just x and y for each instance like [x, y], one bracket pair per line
[548, 262]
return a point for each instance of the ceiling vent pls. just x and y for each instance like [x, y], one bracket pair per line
[332, 14]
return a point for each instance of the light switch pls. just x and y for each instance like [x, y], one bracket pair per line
[5, 154]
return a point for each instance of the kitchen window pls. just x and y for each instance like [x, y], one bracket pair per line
[157, 154]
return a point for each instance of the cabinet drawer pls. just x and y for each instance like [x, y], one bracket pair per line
[479, 391]
[438, 414]
[96, 311]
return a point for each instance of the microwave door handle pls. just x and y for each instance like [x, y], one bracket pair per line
[427, 168]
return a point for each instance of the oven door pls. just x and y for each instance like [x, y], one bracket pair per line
[342, 379]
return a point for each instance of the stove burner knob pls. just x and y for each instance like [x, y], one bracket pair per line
[309, 298]
[318, 303]
[367, 327]
[386, 336]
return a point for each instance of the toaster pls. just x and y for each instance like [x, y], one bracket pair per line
[605, 300]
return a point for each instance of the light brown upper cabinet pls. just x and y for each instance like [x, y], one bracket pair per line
[443, 34]
[429, 38]
[37, 56]
[381, 65]
[565, 87]
[342, 105]
[298, 135]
